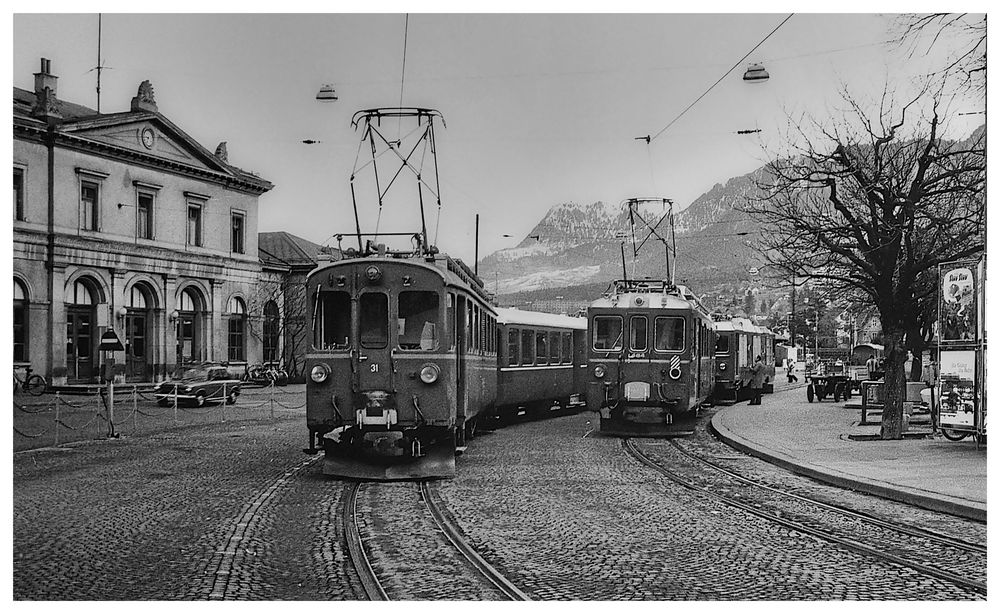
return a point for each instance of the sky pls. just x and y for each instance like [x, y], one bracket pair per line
[540, 109]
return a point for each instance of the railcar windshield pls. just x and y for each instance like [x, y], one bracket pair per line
[637, 333]
[374, 320]
[608, 333]
[669, 332]
[722, 344]
[332, 321]
[418, 320]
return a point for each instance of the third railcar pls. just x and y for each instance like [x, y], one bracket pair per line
[738, 342]
[651, 358]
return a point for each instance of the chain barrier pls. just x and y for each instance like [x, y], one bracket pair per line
[64, 428]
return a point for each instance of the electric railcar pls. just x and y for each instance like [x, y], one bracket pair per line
[738, 342]
[650, 354]
[404, 363]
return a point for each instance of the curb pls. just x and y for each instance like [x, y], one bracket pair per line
[886, 490]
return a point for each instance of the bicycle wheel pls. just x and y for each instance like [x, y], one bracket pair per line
[34, 385]
[953, 435]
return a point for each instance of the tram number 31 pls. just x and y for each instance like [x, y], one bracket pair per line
[374, 367]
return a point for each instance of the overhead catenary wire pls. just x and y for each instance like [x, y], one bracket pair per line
[731, 69]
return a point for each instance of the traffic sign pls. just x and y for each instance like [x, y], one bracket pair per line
[110, 342]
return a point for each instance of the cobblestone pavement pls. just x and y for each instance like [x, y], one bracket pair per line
[235, 511]
[411, 557]
[565, 514]
[160, 517]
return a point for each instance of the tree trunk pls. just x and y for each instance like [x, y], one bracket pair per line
[895, 385]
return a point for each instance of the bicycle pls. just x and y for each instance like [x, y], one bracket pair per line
[33, 384]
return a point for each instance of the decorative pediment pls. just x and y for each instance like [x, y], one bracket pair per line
[151, 136]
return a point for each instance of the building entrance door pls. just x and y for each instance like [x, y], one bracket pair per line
[79, 344]
[136, 348]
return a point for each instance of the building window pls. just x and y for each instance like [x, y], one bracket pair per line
[144, 215]
[188, 321]
[20, 322]
[238, 233]
[18, 194]
[194, 225]
[88, 205]
[237, 329]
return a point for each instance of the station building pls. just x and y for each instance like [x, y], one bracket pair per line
[122, 221]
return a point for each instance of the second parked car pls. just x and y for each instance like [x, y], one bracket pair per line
[197, 385]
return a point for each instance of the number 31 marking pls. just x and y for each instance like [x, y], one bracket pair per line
[374, 367]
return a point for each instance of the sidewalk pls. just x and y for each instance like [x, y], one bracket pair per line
[813, 439]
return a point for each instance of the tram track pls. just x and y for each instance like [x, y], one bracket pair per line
[364, 564]
[925, 534]
[370, 582]
[738, 501]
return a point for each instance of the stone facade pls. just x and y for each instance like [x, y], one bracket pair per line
[123, 222]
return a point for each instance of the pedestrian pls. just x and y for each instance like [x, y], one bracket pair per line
[757, 380]
[872, 365]
[790, 366]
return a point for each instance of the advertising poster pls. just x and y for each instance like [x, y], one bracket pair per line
[958, 389]
[958, 318]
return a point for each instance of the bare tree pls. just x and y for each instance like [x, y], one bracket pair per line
[290, 328]
[870, 206]
[919, 33]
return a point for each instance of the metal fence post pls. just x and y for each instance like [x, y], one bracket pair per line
[135, 408]
[272, 399]
[57, 419]
[225, 399]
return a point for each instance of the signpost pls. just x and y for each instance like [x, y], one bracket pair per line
[110, 343]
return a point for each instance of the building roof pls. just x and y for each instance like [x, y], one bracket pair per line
[83, 126]
[283, 249]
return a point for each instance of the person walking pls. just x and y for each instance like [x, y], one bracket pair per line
[757, 380]
[790, 366]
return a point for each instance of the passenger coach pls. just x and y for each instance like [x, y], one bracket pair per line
[542, 361]
[650, 357]
[738, 342]
[402, 364]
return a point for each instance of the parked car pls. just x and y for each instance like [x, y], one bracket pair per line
[199, 384]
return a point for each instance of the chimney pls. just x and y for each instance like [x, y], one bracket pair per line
[46, 104]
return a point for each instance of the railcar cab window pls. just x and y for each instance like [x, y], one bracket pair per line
[567, 348]
[669, 334]
[332, 329]
[374, 320]
[418, 320]
[722, 344]
[637, 333]
[608, 333]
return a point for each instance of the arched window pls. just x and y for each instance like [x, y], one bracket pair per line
[272, 331]
[81, 316]
[20, 321]
[82, 294]
[138, 333]
[237, 329]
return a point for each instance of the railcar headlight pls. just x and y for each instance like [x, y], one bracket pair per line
[429, 373]
[319, 373]
[599, 371]
[675, 373]
[722, 366]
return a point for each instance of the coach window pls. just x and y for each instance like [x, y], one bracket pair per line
[669, 334]
[527, 347]
[418, 320]
[541, 347]
[637, 326]
[608, 333]
[449, 320]
[567, 345]
[555, 348]
[513, 343]
[333, 330]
